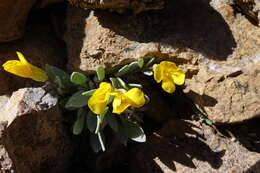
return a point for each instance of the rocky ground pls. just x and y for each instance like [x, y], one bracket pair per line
[216, 42]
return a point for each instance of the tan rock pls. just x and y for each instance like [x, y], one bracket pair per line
[137, 5]
[191, 147]
[214, 48]
[13, 17]
[39, 46]
[34, 135]
[250, 8]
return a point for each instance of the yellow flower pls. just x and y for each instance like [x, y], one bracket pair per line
[169, 74]
[134, 97]
[98, 101]
[24, 69]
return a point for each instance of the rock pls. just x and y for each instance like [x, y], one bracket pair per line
[191, 147]
[6, 164]
[34, 134]
[39, 46]
[210, 57]
[250, 8]
[13, 16]
[137, 5]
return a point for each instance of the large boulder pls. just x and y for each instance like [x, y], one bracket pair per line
[192, 147]
[39, 46]
[137, 5]
[13, 16]
[215, 48]
[33, 132]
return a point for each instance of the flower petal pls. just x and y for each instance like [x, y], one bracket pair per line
[168, 86]
[98, 101]
[157, 73]
[17, 68]
[167, 65]
[38, 74]
[136, 96]
[24, 69]
[178, 77]
[97, 105]
[120, 103]
[104, 88]
[21, 58]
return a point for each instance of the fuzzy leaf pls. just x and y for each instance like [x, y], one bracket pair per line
[78, 78]
[91, 121]
[54, 73]
[135, 132]
[121, 134]
[125, 69]
[148, 73]
[79, 123]
[88, 93]
[134, 85]
[133, 66]
[112, 122]
[122, 83]
[115, 83]
[77, 100]
[140, 62]
[94, 143]
[100, 73]
[150, 63]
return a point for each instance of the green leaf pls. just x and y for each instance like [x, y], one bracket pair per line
[92, 121]
[111, 99]
[101, 139]
[148, 73]
[121, 134]
[140, 62]
[78, 78]
[134, 131]
[79, 123]
[150, 63]
[112, 122]
[100, 73]
[134, 85]
[77, 100]
[100, 119]
[94, 143]
[115, 83]
[122, 83]
[125, 69]
[133, 66]
[89, 93]
[147, 99]
[54, 73]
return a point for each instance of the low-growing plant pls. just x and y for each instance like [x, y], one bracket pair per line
[104, 99]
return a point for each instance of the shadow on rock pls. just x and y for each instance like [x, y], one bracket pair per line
[183, 23]
[176, 143]
[254, 169]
